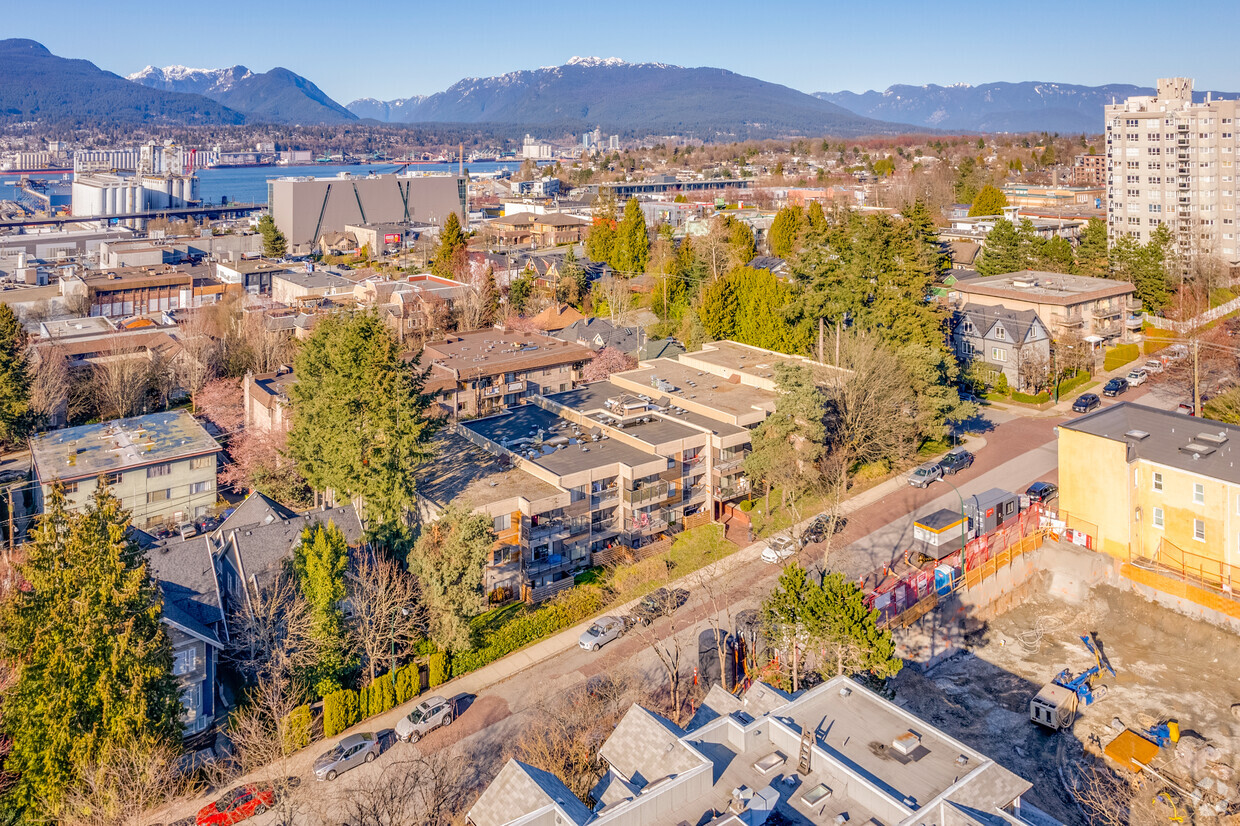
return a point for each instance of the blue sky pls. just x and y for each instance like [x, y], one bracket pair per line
[389, 49]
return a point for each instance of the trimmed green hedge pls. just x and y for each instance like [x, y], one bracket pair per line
[297, 729]
[377, 697]
[566, 610]
[1025, 398]
[1119, 355]
[408, 682]
[438, 668]
[340, 710]
[1068, 385]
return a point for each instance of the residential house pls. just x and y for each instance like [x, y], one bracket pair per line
[161, 466]
[1156, 487]
[555, 318]
[1013, 343]
[251, 274]
[835, 753]
[266, 399]
[494, 368]
[963, 254]
[291, 288]
[1100, 310]
[535, 230]
[210, 579]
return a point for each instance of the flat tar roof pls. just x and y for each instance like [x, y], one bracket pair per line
[739, 401]
[488, 352]
[1045, 287]
[463, 472]
[1165, 437]
[89, 450]
[517, 429]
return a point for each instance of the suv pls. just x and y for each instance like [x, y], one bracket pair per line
[1086, 403]
[657, 604]
[1138, 376]
[425, 718]
[1153, 366]
[1115, 387]
[922, 477]
[779, 548]
[956, 461]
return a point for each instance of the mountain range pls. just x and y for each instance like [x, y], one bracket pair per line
[641, 98]
[36, 85]
[278, 96]
[1032, 106]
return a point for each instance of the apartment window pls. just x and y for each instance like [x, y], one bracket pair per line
[200, 487]
[1132, 122]
[1155, 207]
[1134, 179]
[1199, 493]
[113, 478]
[158, 470]
[1199, 530]
[70, 487]
[202, 462]
[503, 523]
[1158, 517]
[158, 496]
[1157, 481]
[184, 661]
[1134, 164]
[998, 354]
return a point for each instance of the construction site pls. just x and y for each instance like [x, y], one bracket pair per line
[1146, 718]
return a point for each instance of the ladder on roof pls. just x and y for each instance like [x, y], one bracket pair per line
[807, 750]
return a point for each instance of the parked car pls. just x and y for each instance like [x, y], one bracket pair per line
[1138, 376]
[956, 461]
[1086, 403]
[187, 529]
[1187, 408]
[922, 477]
[1153, 366]
[237, 805]
[349, 753]
[819, 527]
[427, 716]
[779, 548]
[207, 524]
[603, 631]
[657, 604]
[1042, 492]
[1115, 387]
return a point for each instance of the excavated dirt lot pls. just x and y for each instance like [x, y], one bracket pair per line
[1168, 667]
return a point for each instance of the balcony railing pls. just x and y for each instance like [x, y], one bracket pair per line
[1067, 320]
[492, 391]
[1134, 322]
[726, 465]
[514, 386]
[656, 492]
[1108, 312]
[601, 498]
[645, 524]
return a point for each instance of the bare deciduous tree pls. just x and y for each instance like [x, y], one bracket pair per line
[198, 363]
[386, 612]
[428, 788]
[669, 649]
[125, 784]
[619, 298]
[271, 638]
[122, 377]
[53, 380]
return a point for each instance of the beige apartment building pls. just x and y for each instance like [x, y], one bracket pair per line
[1172, 162]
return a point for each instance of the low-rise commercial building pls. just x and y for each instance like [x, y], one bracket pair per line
[1156, 485]
[836, 753]
[161, 466]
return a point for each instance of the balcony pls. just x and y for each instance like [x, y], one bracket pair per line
[1134, 322]
[1067, 320]
[1106, 330]
[514, 387]
[1108, 312]
[1181, 127]
[492, 391]
[602, 498]
[726, 466]
[645, 495]
[646, 524]
[550, 529]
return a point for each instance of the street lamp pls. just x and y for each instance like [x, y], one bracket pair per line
[404, 612]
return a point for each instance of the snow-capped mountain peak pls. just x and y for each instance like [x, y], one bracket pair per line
[187, 79]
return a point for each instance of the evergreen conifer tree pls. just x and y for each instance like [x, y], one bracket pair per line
[14, 378]
[85, 640]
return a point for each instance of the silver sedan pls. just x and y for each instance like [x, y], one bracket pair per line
[349, 753]
[603, 631]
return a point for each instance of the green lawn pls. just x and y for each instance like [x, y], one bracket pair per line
[1119, 355]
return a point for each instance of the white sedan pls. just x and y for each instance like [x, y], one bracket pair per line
[779, 549]
[603, 631]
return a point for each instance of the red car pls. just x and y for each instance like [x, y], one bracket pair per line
[237, 805]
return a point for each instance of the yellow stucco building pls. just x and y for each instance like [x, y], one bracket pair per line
[1152, 483]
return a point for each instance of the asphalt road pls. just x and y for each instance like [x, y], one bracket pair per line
[1019, 450]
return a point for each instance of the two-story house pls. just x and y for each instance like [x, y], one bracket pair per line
[161, 466]
[1012, 342]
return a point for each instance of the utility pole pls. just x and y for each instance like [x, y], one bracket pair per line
[820, 326]
[1196, 377]
[837, 342]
